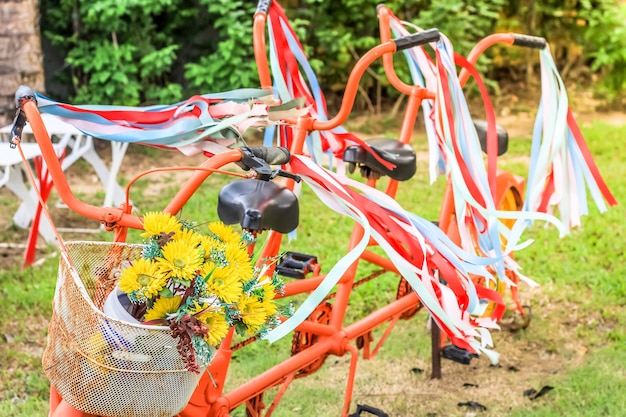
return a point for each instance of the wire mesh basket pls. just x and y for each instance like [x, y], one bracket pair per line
[102, 365]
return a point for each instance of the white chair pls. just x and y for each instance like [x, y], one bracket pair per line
[77, 145]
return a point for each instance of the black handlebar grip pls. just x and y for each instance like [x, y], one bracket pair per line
[263, 6]
[271, 155]
[528, 41]
[416, 39]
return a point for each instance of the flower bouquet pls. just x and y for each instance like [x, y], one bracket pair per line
[199, 285]
[133, 325]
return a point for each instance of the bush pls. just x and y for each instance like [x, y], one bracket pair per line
[145, 51]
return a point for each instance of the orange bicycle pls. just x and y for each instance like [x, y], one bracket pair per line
[505, 190]
[265, 205]
[416, 249]
[509, 190]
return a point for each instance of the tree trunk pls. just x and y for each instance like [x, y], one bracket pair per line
[20, 52]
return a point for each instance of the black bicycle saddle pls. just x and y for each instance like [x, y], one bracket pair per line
[503, 136]
[390, 150]
[258, 205]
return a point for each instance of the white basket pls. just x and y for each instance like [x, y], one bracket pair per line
[102, 365]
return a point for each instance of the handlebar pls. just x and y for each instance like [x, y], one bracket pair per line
[385, 35]
[529, 41]
[121, 217]
[22, 95]
[273, 156]
[356, 74]
[515, 39]
[416, 39]
[260, 158]
[391, 46]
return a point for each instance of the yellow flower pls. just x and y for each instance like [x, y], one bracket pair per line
[190, 236]
[224, 232]
[199, 308]
[163, 307]
[209, 244]
[217, 325]
[269, 293]
[155, 223]
[207, 268]
[253, 313]
[224, 283]
[237, 258]
[142, 279]
[180, 260]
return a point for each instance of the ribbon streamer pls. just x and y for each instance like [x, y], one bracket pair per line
[561, 166]
[417, 250]
[294, 78]
[199, 118]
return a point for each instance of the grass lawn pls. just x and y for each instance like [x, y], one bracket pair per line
[576, 342]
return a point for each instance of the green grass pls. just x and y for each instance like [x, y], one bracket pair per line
[590, 390]
[581, 305]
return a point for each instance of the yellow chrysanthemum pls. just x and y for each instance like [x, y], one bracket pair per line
[143, 279]
[207, 268]
[190, 236]
[155, 223]
[237, 258]
[217, 325]
[163, 307]
[180, 260]
[224, 232]
[199, 308]
[253, 313]
[224, 283]
[210, 244]
[269, 293]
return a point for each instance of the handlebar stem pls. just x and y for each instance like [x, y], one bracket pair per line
[385, 36]
[481, 47]
[260, 50]
[121, 217]
[352, 85]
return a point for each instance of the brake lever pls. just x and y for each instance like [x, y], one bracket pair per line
[22, 95]
[286, 174]
[262, 169]
[16, 131]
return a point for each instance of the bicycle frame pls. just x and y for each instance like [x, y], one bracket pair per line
[333, 337]
[510, 188]
[209, 398]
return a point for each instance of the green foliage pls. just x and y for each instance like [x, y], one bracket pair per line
[607, 48]
[231, 63]
[463, 22]
[146, 51]
[119, 52]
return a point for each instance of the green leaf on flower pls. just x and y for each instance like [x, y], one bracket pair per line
[241, 328]
[166, 293]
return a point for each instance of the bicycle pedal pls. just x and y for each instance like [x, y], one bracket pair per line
[360, 408]
[296, 265]
[458, 354]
